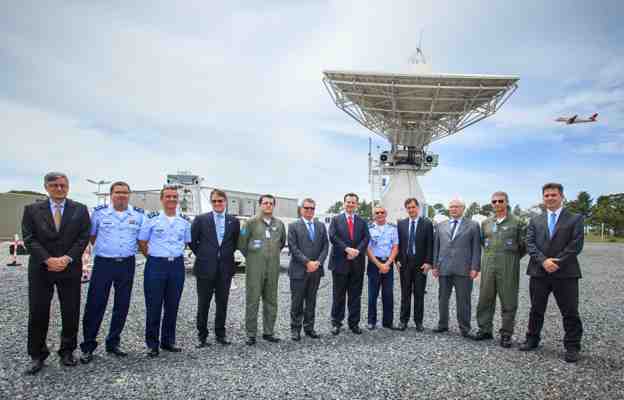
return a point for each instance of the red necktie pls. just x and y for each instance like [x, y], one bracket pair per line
[350, 225]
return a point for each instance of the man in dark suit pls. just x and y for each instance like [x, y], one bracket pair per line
[308, 245]
[554, 240]
[56, 232]
[416, 258]
[214, 237]
[349, 236]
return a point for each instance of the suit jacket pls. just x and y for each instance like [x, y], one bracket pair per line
[460, 255]
[339, 238]
[566, 244]
[424, 241]
[43, 241]
[204, 244]
[302, 249]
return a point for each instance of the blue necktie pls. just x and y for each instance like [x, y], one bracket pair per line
[411, 242]
[311, 231]
[453, 228]
[552, 221]
[220, 228]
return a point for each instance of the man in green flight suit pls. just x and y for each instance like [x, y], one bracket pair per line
[261, 241]
[503, 241]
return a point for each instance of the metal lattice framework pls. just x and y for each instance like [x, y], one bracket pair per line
[415, 110]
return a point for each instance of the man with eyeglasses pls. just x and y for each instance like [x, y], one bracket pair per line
[554, 241]
[456, 262]
[503, 241]
[382, 250]
[56, 233]
[308, 245]
[214, 237]
[261, 241]
[114, 233]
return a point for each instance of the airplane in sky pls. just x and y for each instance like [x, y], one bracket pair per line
[575, 120]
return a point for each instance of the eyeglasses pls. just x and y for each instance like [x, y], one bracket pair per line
[58, 185]
[309, 208]
[217, 201]
[498, 201]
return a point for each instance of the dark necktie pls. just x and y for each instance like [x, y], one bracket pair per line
[411, 243]
[453, 228]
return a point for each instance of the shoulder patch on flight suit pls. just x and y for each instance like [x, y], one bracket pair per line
[153, 214]
[139, 210]
[100, 207]
[185, 217]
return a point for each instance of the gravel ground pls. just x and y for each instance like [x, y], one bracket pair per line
[380, 364]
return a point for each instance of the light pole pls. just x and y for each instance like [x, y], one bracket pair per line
[99, 186]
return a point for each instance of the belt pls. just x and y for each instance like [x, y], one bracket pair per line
[115, 259]
[381, 259]
[170, 259]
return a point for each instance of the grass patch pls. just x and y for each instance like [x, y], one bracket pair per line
[607, 239]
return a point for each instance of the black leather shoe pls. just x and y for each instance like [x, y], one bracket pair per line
[87, 357]
[335, 330]
[222, 341]
[202, 343]
[468, 335]
[35, 367]
[481, 335]
[505, 341]
[571, 355]
[528, 345]
[270, 338]
[295, 335]
[170, 348]
[152, 352]
[439, 330]
[356, 330]
[371, 327]
[116, 351]
[69, 360]
[419, 328]
[401, 327]
[312, 334]
[251, 340]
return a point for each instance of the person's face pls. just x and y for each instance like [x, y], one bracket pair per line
[266, 206]
[169, 199]
[412, 210]
[499, 203]
[380, 215]
[120, 197]
[350, 204]
[57, 189]
[307, 210]
[552, 199]
[218, 203]
[456, 209]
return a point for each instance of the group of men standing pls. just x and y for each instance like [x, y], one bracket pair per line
[457, 252]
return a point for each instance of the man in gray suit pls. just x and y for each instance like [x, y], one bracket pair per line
[456, 262]
[308, 245]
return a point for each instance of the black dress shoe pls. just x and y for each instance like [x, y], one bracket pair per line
[170, 348]
[505, 341]
[116, 351]
[371, 327]
[439, 330]
[571, 355]
[312, 334]
[87, 357]
[481, 335]
[401, 327]
[152, 352]
[68, 360]
[251, 340]
[222, 341]
[356, 330]
[295, 335]
[270, 338]
[35, 367]
[202, 343]
[335, 330]
[468, 335]
[528, 345]
[419, 328]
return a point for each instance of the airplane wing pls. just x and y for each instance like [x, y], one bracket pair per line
[571, 120]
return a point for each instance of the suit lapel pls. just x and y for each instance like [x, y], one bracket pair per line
[47, 213]
[212, 228]
[461, 228]
[70, 207]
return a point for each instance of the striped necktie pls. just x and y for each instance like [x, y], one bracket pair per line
[57, 217]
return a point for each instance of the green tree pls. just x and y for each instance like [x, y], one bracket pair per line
[486, 210]
[431, 212]
[336, 208]
[517, 211]
[365, 209]
[609, 210]
[582, 205]
[473, 209]
[440, 209]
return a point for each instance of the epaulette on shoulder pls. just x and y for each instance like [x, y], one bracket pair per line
[371, 225]
[392, 225]
[153, 214]
[185, 217]
[100, 207]
[139, 210]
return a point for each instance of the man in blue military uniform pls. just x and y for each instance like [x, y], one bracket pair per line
[162, 240]
[114, 232]
[382, 250]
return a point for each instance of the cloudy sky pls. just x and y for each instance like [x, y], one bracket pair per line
[232, 91]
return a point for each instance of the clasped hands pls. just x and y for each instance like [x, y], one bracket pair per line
[312, 266]
[351, 253]
[550, 265]
[57, 264]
